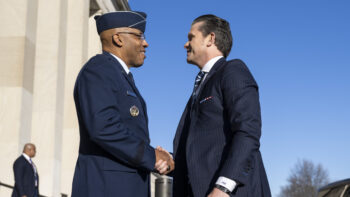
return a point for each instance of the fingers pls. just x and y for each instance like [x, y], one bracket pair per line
[162, 166]
[164, 161]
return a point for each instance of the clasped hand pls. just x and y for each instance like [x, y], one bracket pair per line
[164, 161]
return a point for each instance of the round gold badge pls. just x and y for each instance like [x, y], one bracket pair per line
[134, 111]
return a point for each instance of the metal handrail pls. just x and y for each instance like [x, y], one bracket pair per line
[5, 185]
[11, 187]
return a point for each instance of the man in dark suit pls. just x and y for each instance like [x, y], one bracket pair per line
[26, 174]
[216, 146]
[115, 156]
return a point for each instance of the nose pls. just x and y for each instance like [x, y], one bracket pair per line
[145, 44]
[186, 45]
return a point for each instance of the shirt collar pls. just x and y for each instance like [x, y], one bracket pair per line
[122, 63]
[26, 156]
[207, 67]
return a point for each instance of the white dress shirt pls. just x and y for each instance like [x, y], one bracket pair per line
[33, 165]
[122, 63]
[223, 181]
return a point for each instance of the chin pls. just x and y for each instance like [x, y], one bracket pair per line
[137, 65]
[191, 61]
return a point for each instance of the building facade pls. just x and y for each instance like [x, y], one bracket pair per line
[43, 45]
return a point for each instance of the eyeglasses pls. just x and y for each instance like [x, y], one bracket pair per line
[141, 36]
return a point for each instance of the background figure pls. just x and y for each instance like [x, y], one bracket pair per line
[26, 174]
[216, 146]
[115, 156]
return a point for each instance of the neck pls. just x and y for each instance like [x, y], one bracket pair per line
[117, 53]
[209, 56]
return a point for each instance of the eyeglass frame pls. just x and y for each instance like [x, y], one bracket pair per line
[141, 36]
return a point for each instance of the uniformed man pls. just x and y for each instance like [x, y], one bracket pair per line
[115, 156]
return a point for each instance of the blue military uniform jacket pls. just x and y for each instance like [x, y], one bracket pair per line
[219, 135]
[115, 156]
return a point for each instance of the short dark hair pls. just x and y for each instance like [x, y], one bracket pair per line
[220, 27]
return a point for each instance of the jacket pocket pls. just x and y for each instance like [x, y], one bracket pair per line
[111, 165]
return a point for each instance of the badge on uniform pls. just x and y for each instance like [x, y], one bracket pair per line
[134, 111]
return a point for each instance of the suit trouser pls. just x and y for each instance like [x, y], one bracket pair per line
[36, 192]
[189, 191]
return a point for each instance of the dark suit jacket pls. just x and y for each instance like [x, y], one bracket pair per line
[115, 157]
[219, 135]
[24, 178]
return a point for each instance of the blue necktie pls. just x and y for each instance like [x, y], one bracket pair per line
[35, 173]
[131, 77]
[198, 81]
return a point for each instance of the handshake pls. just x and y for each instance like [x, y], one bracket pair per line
[164, 161]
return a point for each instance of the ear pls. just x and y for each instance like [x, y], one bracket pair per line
[211, 39]
[116, 40]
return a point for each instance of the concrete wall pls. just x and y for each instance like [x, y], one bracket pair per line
[43, 44]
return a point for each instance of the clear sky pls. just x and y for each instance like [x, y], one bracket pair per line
[299, 54]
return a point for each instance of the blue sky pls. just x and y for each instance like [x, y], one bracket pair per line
[298, 52]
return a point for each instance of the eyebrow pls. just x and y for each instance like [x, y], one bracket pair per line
[190, 35]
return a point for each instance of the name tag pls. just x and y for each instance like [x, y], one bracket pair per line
[129, 93]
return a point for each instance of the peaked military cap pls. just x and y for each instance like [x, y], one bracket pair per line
[117, 19]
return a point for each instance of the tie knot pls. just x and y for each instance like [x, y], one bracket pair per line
[131, 77]
[201, 74]
[199, 78]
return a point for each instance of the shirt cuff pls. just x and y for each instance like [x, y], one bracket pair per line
[227, 183]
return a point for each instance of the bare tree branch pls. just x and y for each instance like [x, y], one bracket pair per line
[304, 180]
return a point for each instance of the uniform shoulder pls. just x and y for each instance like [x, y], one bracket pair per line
[97, 61]
[101, 63]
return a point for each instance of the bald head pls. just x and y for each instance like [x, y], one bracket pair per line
[29, 149]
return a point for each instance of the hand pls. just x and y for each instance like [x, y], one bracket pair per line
[164, 161]
[218, 193]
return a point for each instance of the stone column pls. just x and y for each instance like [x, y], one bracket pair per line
[45, 128]
[44, 43]
[75, 28]
[12, 41]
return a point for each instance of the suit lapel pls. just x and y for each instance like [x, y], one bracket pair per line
[211, 73]
[189, 107]
[131, 83]
[181, 125]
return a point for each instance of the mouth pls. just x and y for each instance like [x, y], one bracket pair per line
[189, 50]
[143, 53]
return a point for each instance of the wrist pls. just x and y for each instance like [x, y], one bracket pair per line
[223, 189]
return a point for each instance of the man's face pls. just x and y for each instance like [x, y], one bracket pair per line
[196, 46]
[135, 47]
[32, 152]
